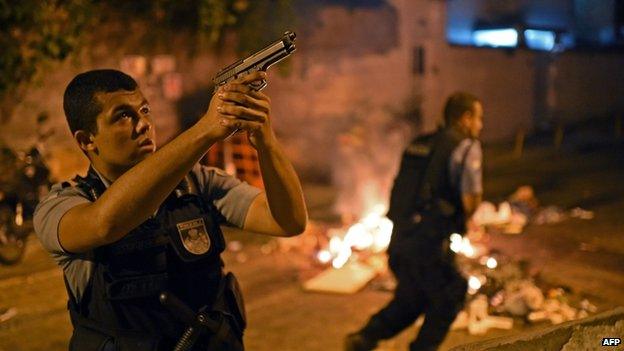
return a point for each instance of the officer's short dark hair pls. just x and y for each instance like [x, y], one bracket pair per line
[456, 105]
[79, 101]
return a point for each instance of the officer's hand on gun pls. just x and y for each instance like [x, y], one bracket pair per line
[236, 106]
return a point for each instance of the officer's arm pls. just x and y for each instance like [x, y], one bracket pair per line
[281, 210]
[472, 181]
[135, 195]
[132, 197]
[260, 220]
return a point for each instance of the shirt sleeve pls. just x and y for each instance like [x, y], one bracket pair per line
[472, 172]
[231, 197]
[49, 212]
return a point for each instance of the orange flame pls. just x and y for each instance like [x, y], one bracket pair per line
[371, 233]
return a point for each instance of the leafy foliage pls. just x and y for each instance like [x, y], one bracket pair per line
[36, 32]
[254, 22]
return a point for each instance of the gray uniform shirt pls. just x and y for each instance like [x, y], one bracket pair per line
[470, 176]
[231, 197]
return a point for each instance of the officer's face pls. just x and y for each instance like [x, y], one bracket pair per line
[125, 133]
[475, 120]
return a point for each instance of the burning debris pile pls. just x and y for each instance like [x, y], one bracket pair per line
[500, 290]
[372, 234]
[355, 254]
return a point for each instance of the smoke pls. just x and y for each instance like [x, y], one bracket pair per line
[367, 158]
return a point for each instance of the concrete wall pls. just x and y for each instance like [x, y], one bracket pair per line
[354, 73]
[518, 87]
[589, 84]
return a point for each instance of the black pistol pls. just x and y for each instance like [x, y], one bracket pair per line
[259, 61]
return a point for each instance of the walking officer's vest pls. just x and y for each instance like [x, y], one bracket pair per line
[175, 251]
[423, 189]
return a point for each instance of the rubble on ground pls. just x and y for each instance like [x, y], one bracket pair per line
[521, 208]
[510, 293]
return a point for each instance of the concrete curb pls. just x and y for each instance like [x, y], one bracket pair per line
[549, 338]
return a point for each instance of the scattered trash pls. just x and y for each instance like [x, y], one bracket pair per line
[554, 214]
[550, 215]
[588, 306]
[507, 217]
[488, 214]
[524, 200]
[521, 297]
[554, 310]
[511, 216]
[477, 320]
[503, 287]
[578, 212]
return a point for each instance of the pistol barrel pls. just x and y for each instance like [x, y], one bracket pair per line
[259, 61]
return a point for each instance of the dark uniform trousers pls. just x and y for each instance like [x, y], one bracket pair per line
[428, 283]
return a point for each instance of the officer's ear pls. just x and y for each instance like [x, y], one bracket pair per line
[85, 140]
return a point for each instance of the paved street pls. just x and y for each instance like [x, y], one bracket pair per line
[585, 256]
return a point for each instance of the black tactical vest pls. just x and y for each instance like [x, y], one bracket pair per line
[176, 251]
[423, 190]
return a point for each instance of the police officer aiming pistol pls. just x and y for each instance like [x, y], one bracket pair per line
[143, 223]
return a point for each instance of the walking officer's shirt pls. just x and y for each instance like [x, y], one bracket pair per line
[231, 197]
[465, 167]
